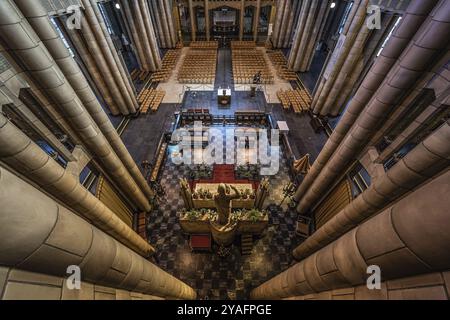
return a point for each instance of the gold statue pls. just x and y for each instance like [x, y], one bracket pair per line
[223, 203]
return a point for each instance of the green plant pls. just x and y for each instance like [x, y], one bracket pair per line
[192, 215]
[254, 215]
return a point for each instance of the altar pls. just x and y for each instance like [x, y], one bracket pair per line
[204, 196]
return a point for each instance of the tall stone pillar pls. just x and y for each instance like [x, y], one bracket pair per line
[241, 23]
[128, 15]
[290, 16]
[277, 33]
[414, 17]
[26, 47]
[401, 240]
[316, 19]
[256, 20]
[150, 32]
[354, 26]
[158, 23]
[139, 19]
[103, 38]
[412, 64]
[170, 17]
[164, 23]
[94, 71]
[306, 34]
[40, 235]
[207, 21]
[356, 52]
[303, 17]
[38, 18]
[25, 156]
[283, 23]
[422, 163]
[193, 19]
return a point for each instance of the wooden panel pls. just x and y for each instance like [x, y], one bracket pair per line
[107, 195]
[334, 202]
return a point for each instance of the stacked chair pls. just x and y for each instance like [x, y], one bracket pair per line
[247, 62]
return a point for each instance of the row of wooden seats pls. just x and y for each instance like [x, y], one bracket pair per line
[134, 74]
[204, 45]
[167, 65]
[277, 58]
[286, 74]
[243, 45]
[247, 63]
[199, 67]
[280, 63]
[151, 99]
[140, 75]
[298, 99]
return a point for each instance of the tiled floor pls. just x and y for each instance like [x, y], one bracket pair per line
[234, 276]
[221, 278]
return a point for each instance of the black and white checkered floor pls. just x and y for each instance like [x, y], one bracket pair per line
[214, 277]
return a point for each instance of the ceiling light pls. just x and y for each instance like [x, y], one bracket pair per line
[117, 6]
[333, 4]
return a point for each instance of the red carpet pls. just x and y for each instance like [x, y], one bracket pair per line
[224, 173]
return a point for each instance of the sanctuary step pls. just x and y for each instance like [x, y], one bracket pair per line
[246, 244]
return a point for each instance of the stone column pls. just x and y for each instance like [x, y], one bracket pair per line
[102, 64]
[158, 23]
[256, 20]
[38, 18]
[241, 25]
[95, 20]
[193, 21]
[40, 235]
[164, 23]
[306, 34]
[128, 15]
[353, 27]
[356, 52]
[140, 26]
[316, 33]
[94, 71]
[422, 163]
[27, 48]
[207, 22]
[170, 18]
[412, 64]
[290, 16]
[293, 56]
[25, 156]
[401, 240]
[155, 54]
[413, 18]
[283, 23]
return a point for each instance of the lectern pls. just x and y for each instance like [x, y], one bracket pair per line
[224, 97]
